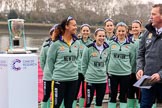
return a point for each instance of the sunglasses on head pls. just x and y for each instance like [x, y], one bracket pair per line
[137, 21]
[108, 19]
[121, 24]
[85, 25]
[69, 18]
[99, 29]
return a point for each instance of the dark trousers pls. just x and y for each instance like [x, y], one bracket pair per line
[109, 85]
[123, 81]
[133, 91]
[80, 82]
[46, 90]
[148, 96]
[100, 92]
[63, 90]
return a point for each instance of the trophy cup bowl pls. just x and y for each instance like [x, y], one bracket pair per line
[17, 36]
[17, 28]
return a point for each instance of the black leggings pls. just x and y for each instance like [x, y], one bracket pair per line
[46, 90]
[124, 82]
[80, 81]
[133, 91]
[100, 92]
[63, 90]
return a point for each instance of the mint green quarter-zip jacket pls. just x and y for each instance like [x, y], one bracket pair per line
[62, 60]
[81, 48]
[43, 58]
[122, 57]
[94, 64]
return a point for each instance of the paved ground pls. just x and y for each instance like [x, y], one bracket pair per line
[104, 105]
[105, 101]
[92, 106]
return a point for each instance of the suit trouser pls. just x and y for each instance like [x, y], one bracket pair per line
[148, 96]
[133, 91]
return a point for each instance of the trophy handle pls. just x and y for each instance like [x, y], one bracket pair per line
[24, 39]
[10, 35]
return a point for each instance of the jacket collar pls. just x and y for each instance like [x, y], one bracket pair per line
[127, 41]
[74, 37]
[150, 28]
[105, 45]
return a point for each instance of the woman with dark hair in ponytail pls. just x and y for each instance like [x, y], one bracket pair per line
[62, 63]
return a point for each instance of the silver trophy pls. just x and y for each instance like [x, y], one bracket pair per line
[17, 37]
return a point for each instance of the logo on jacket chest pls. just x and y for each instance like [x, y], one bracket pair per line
[81, 47]
[62, 48]
[150, 36]
[148, 41]
[94, 54]
[113, 46]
